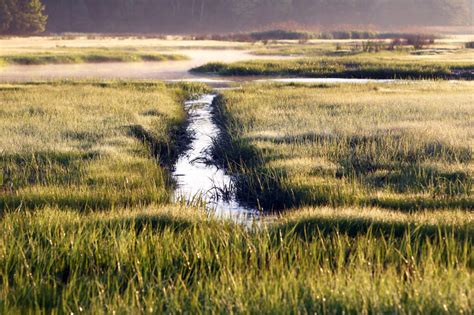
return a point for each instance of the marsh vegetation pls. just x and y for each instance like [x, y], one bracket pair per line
[365, 190]
[85, 56]
[404, 145]
[365, 61]
[399, 56]
[63, 145]
[67, 154]
[173, 260]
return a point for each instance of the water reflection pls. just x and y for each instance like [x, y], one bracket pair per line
[198, 179]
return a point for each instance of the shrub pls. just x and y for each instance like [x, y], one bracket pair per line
[326, 35]
[342, 35]
[281, 34]
[373, 46]
[396, 42]
[303, 41]
[419, 41]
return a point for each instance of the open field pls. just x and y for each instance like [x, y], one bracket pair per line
[163, 70]
[44, 58]
[81, 49]
[428, 46]
[434, 53]
[405, 145]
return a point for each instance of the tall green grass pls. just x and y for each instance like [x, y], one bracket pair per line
[171, 260]
[72, 148]
[89, 145]
[404, 146]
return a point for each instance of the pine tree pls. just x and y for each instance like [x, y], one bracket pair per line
[27, 17]
[5, 16]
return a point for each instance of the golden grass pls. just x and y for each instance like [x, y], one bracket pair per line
[81, 144]
[173, 260]
[404, 145]
[456, 219]
[69, 146]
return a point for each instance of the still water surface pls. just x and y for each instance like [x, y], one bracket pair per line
[197, 177]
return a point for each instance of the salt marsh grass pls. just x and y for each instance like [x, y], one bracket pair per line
[85, 56]
[174, 260]
[87, 145]
[86, 222]
[343, 67]
[405, 145]
[354, 59]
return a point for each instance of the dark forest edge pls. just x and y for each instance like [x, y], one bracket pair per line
[179, 16]
[22, 17]
[302, 36]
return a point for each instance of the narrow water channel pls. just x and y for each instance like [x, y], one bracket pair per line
[198, 179]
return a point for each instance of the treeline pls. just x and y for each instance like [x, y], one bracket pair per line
[194, 16]
[178, 16]
[22, 16]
